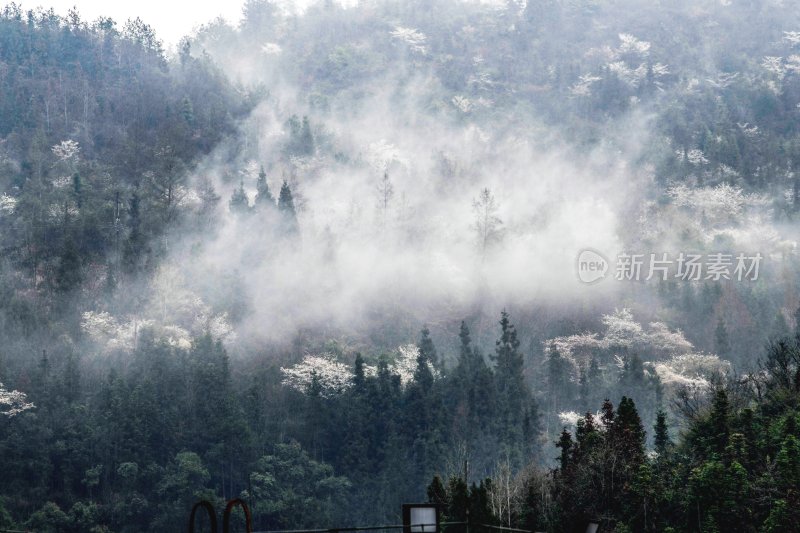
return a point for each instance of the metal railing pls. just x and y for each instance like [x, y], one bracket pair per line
[416, 528]
[413, 528]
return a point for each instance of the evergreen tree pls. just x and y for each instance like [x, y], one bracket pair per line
[797, 324]
[512, 393]
[661, 440]
[239, 203]
[426, 347]
[286, 208]
[264, 196]
[134, 248]
[69, 274]
[719, 423]
[306, 138]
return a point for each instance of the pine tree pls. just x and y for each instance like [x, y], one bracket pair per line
[239, 204]
[511, 389]
[286, 208]
[306, 138]
[797, 323]
[134, 247]
[69, 274]
[661, 438]
[426, 347]
[719, 422]
[264, 196]
[187, 111]
[437, 493]
[465, 350]
[566, 444]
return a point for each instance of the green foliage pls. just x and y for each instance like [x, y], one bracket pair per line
[290, 490]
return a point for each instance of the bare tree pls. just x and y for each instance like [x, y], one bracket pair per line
[487, 224]
[385, 194]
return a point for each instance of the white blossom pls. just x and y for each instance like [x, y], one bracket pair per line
[689, 370]
[622, 329]
[176, 336]
[584, 85]
[571, 418]
[7, 204]
[332, 376]
[62, 182]
[793, 63]
[723, 80]
[747, 129]
[271, 49]
[13, 402]
[631, 76]
[218, 326]
[722, 201]
[462, 103]
[111, 334]
[413, 38]
[381, 154]
[773, 64]
[66, 150]
[792, 37]
[659, 70]
[663, 339]
[405, 362]
[631, 45]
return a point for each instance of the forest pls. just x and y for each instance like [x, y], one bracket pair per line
[325, 259]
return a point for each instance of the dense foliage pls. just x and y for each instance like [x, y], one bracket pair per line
[220, 280]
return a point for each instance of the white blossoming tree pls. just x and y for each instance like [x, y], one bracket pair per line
[13, 402]
[331, 376]
[67, 150]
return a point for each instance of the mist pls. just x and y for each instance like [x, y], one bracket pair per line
[320, 253]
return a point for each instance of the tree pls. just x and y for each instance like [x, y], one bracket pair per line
[385, 195]
[287, 211]
[797, 323]
[487, 224]
[719, 423]
[69, 273]
[512, 393]
[239, 203]
[661, 439]
[426, 347]
[264, 196]
[289, 489]
[721, 342]
[135, 245]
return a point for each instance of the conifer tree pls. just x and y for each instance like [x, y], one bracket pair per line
[719, 422]
[286, 208]
[239, 204]
[661, 440]
[512, 394]
[427, 348]
[264, 196]
[721, 342]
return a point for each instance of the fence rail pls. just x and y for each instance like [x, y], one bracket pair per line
[503, 528]
[423, 528]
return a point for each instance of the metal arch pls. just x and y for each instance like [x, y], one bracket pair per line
[212, 515]
[226, 518]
